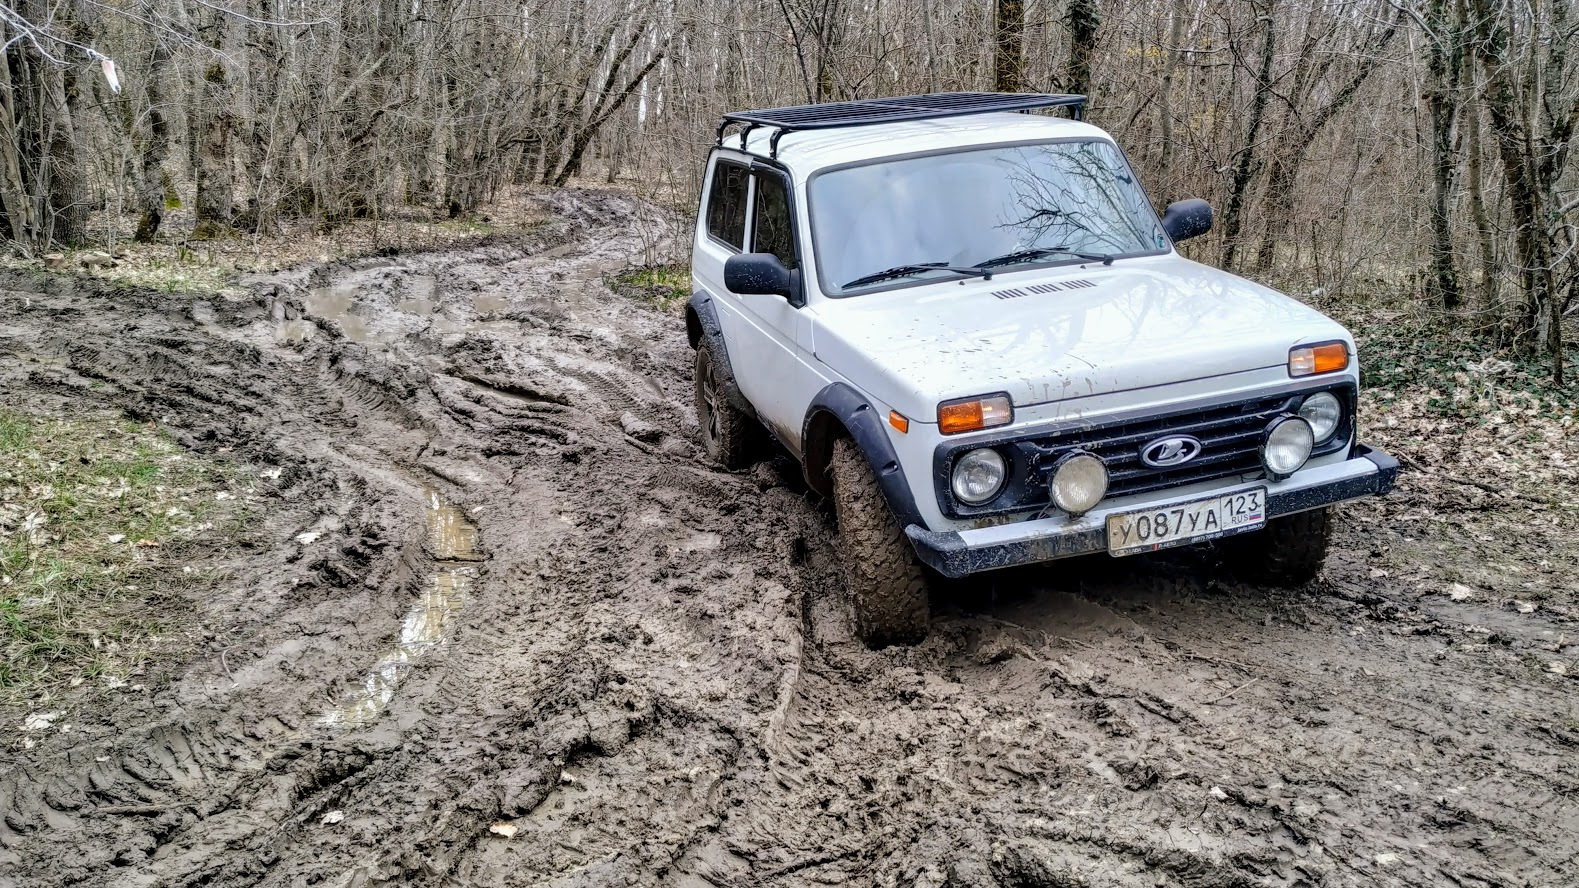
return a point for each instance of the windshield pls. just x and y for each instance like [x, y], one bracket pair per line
[1005, 206]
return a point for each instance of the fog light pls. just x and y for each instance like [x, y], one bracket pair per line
[1322, 411]
[978, 476]
[1079, 483]
[1288, 444]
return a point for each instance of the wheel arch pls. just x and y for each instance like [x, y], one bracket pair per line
[839, 411]
[701, 324]
[693, 323]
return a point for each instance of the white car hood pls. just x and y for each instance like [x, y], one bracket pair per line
[1138, 323]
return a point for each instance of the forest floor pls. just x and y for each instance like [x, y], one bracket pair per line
[464, 606]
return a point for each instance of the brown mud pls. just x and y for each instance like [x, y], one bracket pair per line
[500, 625]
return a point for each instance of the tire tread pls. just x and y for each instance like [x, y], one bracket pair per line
[887, 584]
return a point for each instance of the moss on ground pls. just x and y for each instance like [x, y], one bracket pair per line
[663, 286]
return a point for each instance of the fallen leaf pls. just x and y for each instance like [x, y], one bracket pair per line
[309, 537]
[1217, 793]
[1524, 607]
[40, 721]
[1386, 858]
[507, 830]
[117, 537]
[1377, 573]
[1460, 592]
[333, 817]
[1557, 667]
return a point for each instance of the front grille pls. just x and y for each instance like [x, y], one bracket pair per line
[1230, 434]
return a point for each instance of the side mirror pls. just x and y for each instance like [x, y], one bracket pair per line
[753, 273]
[1185, 219]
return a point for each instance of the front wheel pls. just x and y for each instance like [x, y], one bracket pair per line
[887, 584]
[1288, 552]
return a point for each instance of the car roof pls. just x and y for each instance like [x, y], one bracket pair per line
[806, 151]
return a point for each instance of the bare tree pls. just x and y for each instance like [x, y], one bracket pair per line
[1531, 98]
[1008, 45]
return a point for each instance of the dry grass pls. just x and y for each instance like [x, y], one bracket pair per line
[178, 264]
[96, 518]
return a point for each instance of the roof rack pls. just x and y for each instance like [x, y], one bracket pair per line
[865, 112]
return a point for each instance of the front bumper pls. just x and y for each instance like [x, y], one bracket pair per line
[1369, 472]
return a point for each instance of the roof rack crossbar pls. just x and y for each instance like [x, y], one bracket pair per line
[865, 112]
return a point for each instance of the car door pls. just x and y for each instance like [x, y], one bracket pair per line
[768, 337]
[782, 380]
[721, 224]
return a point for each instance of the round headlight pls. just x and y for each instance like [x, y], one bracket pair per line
[1079, 483]
[1288, 444]
[978, 476]
[1322, 411]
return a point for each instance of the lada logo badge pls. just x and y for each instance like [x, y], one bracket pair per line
[1165, 453]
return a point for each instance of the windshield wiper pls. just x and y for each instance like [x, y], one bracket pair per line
[899, 271]
[1042, 252]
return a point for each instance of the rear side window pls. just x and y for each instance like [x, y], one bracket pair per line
[726, 204]
[773, 232]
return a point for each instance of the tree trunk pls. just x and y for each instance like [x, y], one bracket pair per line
[1245, 167]
[1479, 215]
[1177, 13]
[1445, 63]
[16, 202]
[68, 191]
[150, 190]
[44, 192]
[1008, 45]
[214, 208]
[1084, 20]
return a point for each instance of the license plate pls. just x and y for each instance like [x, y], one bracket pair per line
[1147, 530]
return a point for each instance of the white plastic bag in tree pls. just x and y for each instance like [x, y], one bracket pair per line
[114, 80]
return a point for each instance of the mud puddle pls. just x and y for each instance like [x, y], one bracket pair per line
[452, 541]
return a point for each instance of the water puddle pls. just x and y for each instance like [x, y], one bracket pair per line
[452, 540]
[488, 303]
[336, 304]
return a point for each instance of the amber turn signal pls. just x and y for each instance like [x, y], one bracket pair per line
[898, 421]
[1327, 357]
[970, 414]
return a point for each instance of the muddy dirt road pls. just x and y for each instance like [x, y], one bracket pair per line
[499, 625]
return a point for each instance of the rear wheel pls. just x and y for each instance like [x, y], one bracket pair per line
[888, 585]
[726, 431]
[1288, 552]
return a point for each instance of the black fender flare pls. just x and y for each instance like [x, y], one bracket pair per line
[840, 405]
[701, 322]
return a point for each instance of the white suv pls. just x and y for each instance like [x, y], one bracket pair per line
[974, 332]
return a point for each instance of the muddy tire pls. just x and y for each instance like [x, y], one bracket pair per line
[1289, 552]
[888, 586]
[727, 433]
